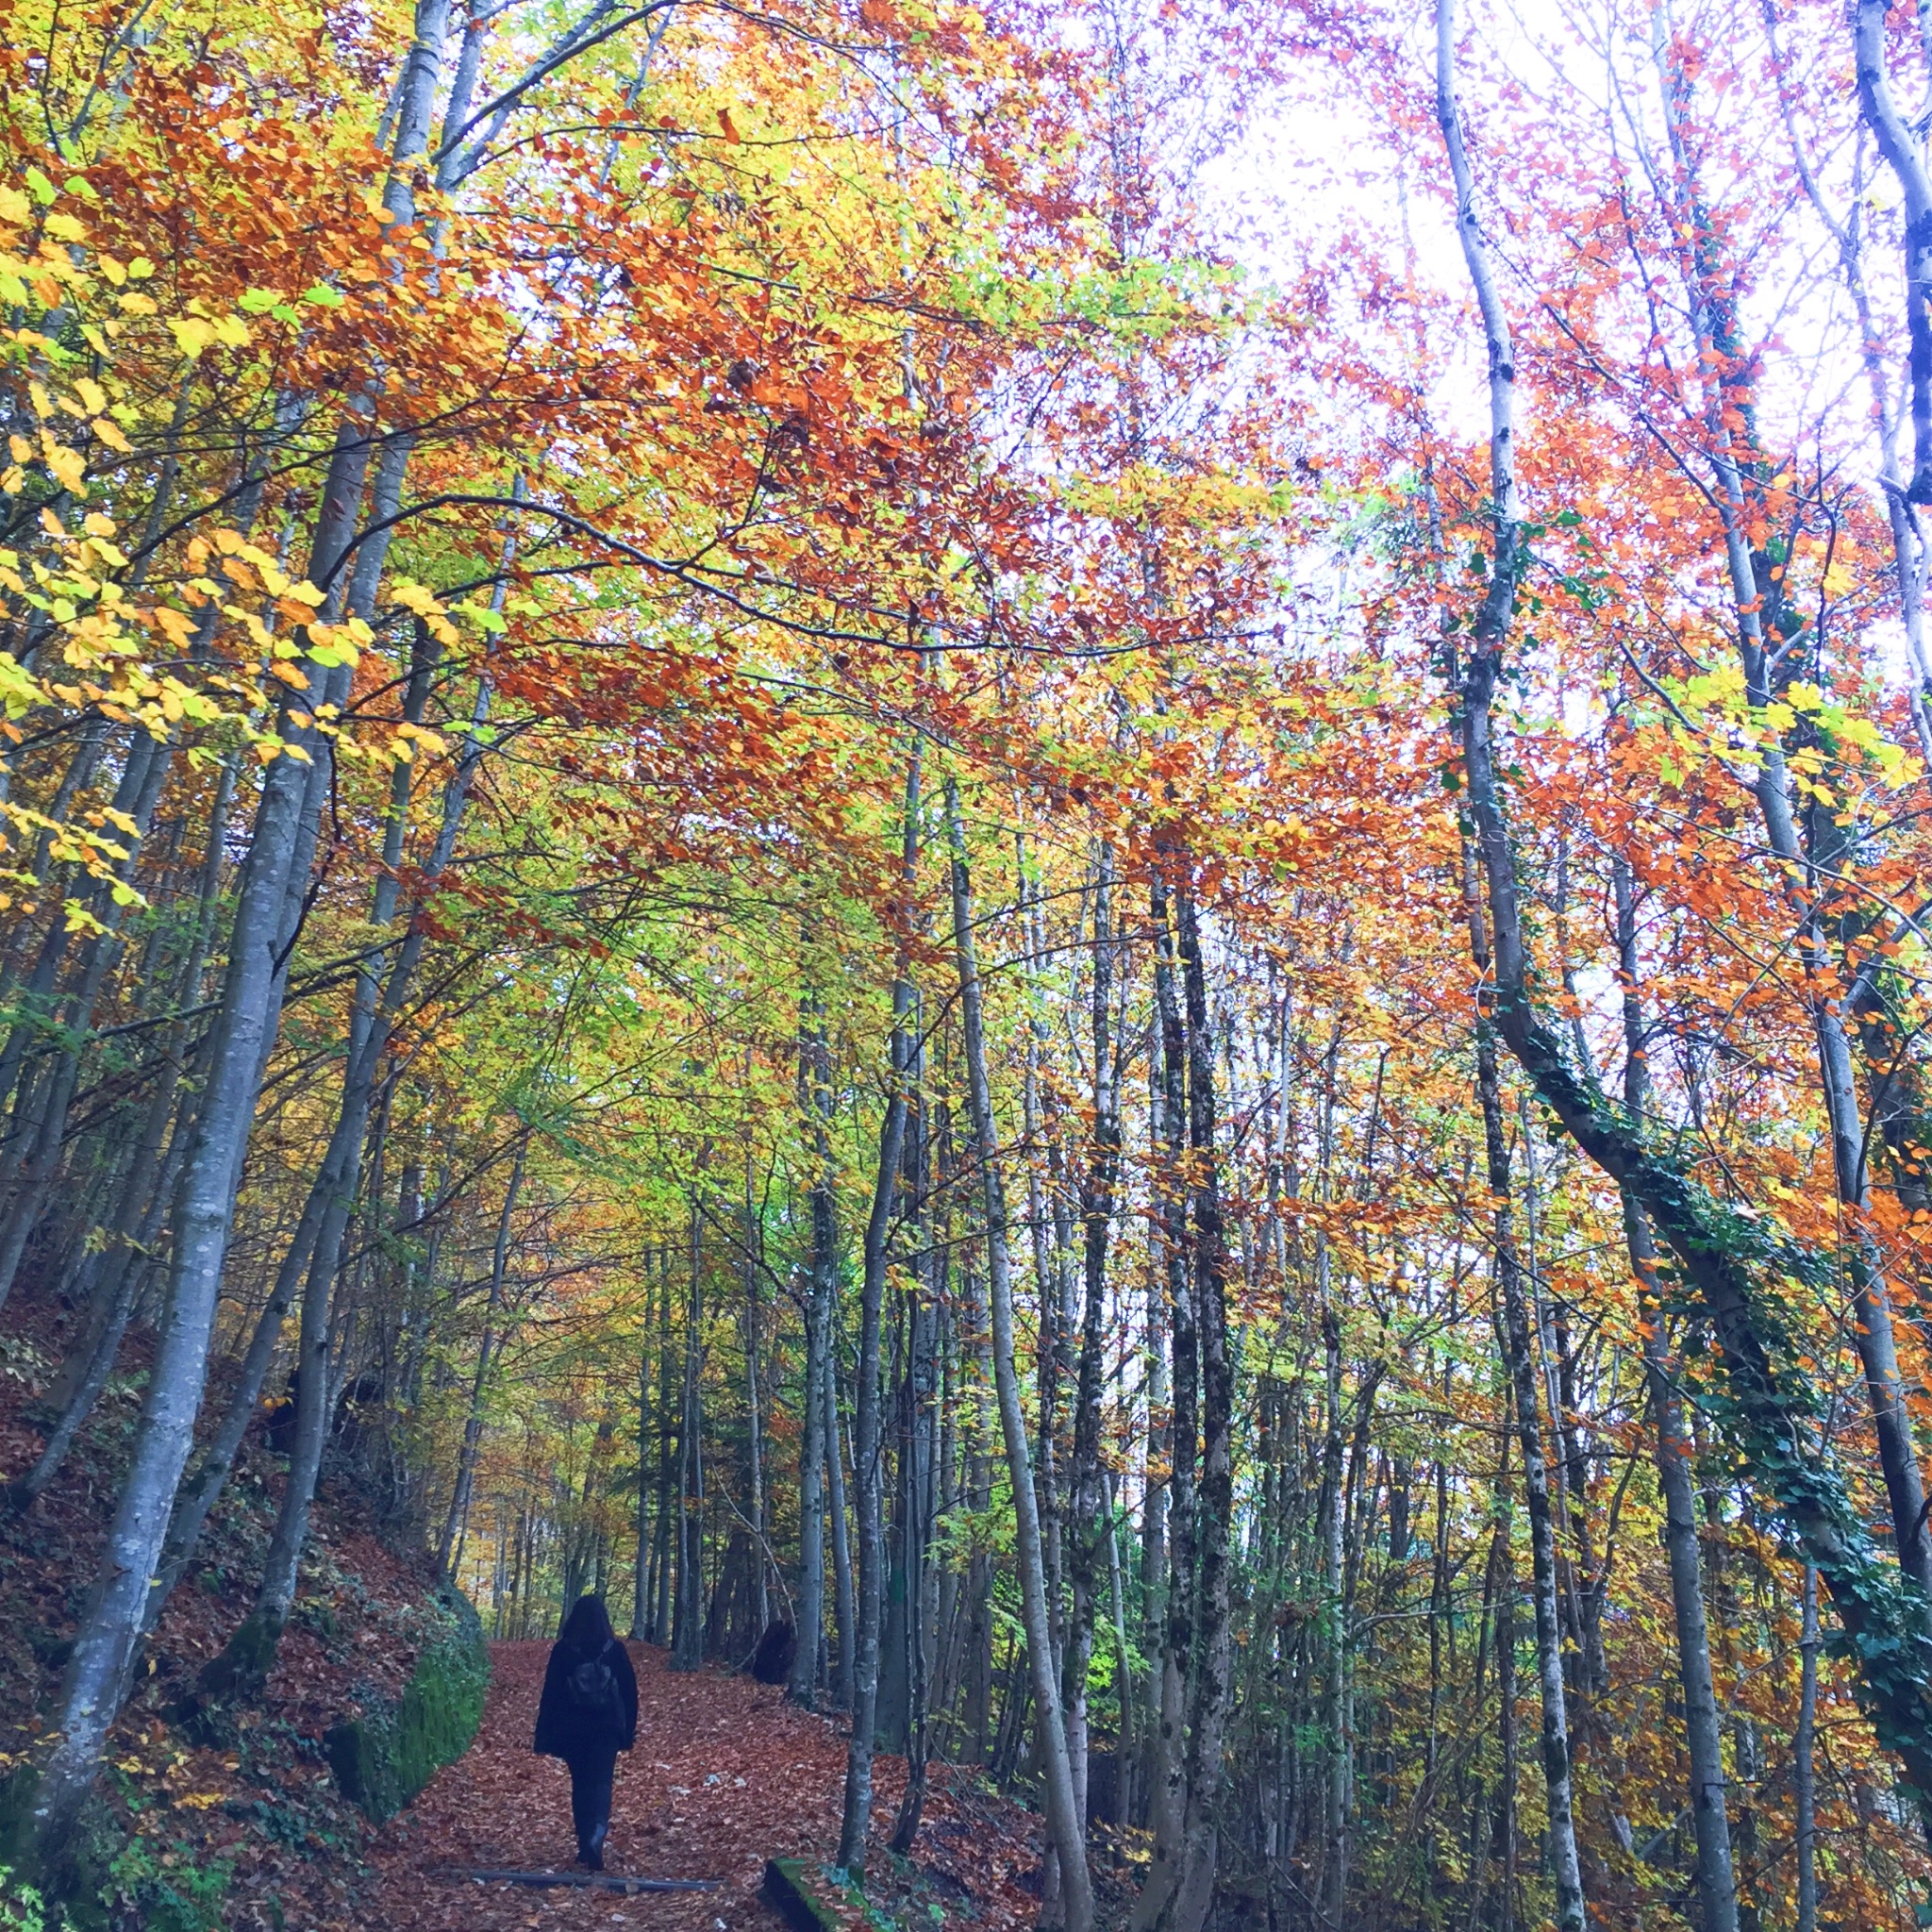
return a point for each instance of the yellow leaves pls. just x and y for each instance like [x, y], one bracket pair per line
[194, 333]
[64, 463]
[177, 627]
[413, 596]
[109, 433]
[191, 334]
[409, 738]
[66, 228]
[19, 692]
[93, 398]
[332, 645]
[15, 209]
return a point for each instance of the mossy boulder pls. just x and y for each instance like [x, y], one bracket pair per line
[382, 1759]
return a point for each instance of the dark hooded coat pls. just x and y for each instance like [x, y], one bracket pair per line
[564, 1727]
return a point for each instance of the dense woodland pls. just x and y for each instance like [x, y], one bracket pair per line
[1085, 843]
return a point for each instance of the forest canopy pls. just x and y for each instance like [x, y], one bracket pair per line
[1080, 847]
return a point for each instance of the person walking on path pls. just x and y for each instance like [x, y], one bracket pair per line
[587, 1714]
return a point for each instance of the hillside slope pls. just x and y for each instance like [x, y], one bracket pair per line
[238, 1821]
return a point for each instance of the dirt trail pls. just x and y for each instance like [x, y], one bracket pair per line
[695, 1799]
[725, 1774]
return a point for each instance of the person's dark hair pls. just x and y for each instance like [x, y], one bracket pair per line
[587, 1626]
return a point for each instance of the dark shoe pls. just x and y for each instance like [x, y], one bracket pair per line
[594, 1852]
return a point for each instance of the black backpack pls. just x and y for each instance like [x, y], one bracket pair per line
[590, 1691]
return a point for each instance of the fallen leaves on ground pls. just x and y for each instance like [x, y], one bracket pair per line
[725, 1774]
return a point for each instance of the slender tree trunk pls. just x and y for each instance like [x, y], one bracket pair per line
[869, 1436]
[1522, 1366]
[1157, 1459]
[840, 1521]
[1168, 1759]
[1187, 1907]
[1063, 1820]
[661, 1539]
[1124, 1676]
[1704, 1740]
[459, 1510]
[1335, 1847]
[920, 1473]
[755, 1410]
[1098, 1183]
[687, 1619]
[820, 1306]
[1804, 1793]
[137, 1220]
[641, 1589]
[1503, 1560]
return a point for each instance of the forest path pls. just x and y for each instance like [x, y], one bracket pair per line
[725, 1774]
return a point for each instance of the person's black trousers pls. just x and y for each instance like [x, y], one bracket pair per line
[591, 1774]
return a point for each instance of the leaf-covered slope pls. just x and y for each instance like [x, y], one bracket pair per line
[241, 1825]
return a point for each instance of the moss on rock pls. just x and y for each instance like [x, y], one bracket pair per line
[382, 1759]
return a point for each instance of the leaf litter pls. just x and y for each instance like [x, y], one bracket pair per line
[725, 1774]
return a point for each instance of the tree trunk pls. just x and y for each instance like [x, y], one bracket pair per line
[868, 1444]
[755, 1412]
[1090, 1518]
[1521, 1362]
[821, 1297]
[1804, 1787]
[641, 1586]
[688, 1616]
[1063, 1821]
[1187, 1907]
[459, 1510]
[1717, 1888]
[840, 1523]
[1334, 1687]
[1167, 1763]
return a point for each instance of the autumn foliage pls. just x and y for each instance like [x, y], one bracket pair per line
[1086, 842]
